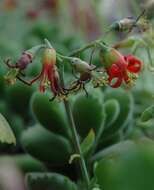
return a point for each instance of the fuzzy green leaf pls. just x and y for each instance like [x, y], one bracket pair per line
[128, 166]
[46, 146]
[148, 114]
[112, 110]
[88, 142]
[46, 181]
[6, 133]
[88, 113]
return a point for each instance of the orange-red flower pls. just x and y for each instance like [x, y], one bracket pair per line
[49, 75]
[118, 67]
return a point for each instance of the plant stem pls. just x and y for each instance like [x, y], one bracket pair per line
[80, 50]
[75, 134]
[97, 43]
[76, 142]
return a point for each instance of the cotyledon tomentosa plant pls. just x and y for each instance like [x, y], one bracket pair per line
[66, 122]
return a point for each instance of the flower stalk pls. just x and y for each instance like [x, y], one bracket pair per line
[75, 138]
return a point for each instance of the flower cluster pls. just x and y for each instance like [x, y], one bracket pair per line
[120, 68]
[113, 70]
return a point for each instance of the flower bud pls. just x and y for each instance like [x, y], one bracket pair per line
[110, 56]
[123, 25]
[27, 57]
[49, 56]
[81, 66]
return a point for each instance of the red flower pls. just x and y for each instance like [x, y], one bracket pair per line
[134, 65]
[120, 68]
[49, 75]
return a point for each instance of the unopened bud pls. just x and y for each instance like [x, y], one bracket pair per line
[123, 25]
[27, 57]
[49, 56]
[81, 66]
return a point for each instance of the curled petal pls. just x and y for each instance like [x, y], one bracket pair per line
[134, 65]
[117, 83]
[115, 74]
[44, 77]
[53, 77]
[114, 70]
[43, 83]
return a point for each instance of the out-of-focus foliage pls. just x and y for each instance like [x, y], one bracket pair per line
[120, 119]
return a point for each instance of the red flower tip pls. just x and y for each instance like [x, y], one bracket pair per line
[49, 76]
[134, 65]
[49, 56]
[124, 68]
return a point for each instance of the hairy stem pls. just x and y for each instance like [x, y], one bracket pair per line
[86, 47]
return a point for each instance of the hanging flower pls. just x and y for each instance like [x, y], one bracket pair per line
[120, 68]
[49, 76]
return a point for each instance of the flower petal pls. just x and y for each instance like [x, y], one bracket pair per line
[117, 83]
[114, 70]
[134, 64]
[53, 77]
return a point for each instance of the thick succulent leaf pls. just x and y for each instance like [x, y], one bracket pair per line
[46, 146]
[24, 162]
[88, 142]
[6, 133]
[88, 113]
[148, 114]
[112, 110]
[128, 166]
[18, 97]
[113, 150]
[50, 114]
[147, 118]
[126, 110]
[143, 99]
[46, 181]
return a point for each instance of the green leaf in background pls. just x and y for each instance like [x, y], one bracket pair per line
[46, 146]
[88, 113]
[146, 119]
[46, 181]
[88, 142]
[25, 162]
[112, 110]
[113, 150]
[127, 166]
[148, 114]
[18, 97]
[6, 133]
[125, 100]
[49, 114]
